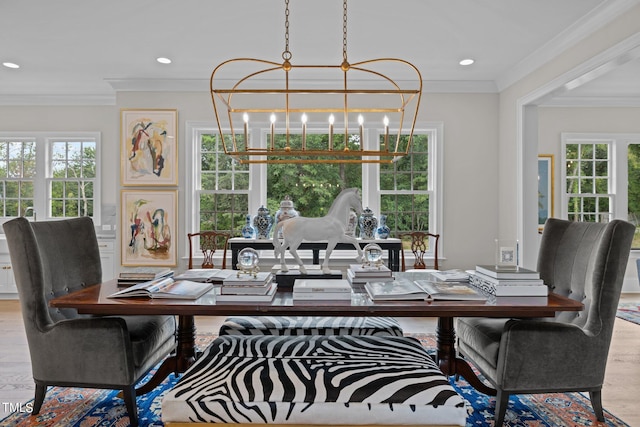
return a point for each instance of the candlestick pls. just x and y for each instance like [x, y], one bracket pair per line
[273, 125]
[245, 117]
[361, 122]
[386, 133]
[331, 120]
[304, 131]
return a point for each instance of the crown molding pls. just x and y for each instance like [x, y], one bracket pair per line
[587, 25]
[57, 99]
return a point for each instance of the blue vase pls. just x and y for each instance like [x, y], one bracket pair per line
[368, 224]
[383, 231]
[248, 231]
[262, 223]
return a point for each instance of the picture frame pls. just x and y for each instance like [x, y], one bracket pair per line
[148, 222]
[545, 188]
[148, 147]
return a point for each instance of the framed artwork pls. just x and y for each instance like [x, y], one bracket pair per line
[149, 152]
[148, 222]
[545, 188]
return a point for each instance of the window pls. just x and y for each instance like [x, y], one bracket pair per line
[51, 175]
[601, 177]
[17, 175]
[220, 185]
[588, 190]
[223, 192]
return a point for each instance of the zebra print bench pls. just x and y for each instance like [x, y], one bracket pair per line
[310, 325]
[307, 380]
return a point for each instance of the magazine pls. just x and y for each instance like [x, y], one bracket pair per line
[450, 275]
[165, 288]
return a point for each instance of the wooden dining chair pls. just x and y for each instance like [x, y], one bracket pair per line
[210, 242]
[419, 245]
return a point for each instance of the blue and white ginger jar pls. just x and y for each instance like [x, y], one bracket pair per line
[262, 223]
[368, 224]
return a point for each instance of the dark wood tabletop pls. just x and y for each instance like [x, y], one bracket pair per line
[94, 300]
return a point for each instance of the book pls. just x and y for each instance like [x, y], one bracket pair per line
[147, 273]
[309, 289]
[165, 288]
[507, 273]
[261, 278]
[450, 291]
[450, 275]
[258, 288]
[359, 270]
[322, 296]
[267, 297]
[509, 282]
[510, 290]
[399, 290]
[395, 290]
[210, 275]
[351, 277]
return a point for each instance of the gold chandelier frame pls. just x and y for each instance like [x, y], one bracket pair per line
[281, 95]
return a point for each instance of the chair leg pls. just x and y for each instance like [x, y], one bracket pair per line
[41, 391]
[129, 395]
[502, 401]
[596, 403]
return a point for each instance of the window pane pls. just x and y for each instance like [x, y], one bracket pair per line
[633, 190]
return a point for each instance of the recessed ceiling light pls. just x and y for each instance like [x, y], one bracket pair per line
[10, 65]
[163, 60]
[467, 61]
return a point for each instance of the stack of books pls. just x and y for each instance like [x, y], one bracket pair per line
[504, 282]
[135, 275]
[243, 287]
[321, 289]
[359, 275]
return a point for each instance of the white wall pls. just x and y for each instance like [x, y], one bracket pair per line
[470, 156]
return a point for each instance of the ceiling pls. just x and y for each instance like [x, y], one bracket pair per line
[87, 50]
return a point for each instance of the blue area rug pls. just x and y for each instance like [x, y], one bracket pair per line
[75, 407]
[629, 311]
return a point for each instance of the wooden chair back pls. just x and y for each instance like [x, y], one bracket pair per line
[419, 245]
[210, 242]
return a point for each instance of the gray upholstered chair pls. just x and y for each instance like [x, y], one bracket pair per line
[53, 258]
[582, 261]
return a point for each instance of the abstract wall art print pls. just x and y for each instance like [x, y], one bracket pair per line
[148, 226]
[149, 152]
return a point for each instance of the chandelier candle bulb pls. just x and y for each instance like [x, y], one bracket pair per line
[361, 126]
[304, 131]
[273, 131]
[332, 119]
[386, 133]
[245, 117]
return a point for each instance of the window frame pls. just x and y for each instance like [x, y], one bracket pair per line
[42, 191]
[257, 190]
[619, 143]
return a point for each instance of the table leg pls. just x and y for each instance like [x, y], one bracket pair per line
[185, 355]
[448, 361]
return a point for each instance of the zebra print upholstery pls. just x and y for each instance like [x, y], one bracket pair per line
[310, 325]
[314, 380]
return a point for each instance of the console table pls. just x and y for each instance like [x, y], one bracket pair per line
[393, 247]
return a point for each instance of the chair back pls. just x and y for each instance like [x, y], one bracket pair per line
[50, 259]
[586, 262]
[209, 243]
[419, 245]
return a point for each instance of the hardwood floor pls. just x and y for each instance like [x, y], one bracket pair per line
[620, 393]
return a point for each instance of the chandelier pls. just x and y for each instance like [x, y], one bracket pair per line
[336, 100]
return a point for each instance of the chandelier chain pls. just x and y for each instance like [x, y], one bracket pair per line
[286, 55]
[344, 30]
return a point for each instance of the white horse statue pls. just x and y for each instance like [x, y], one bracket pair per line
[331, 228]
